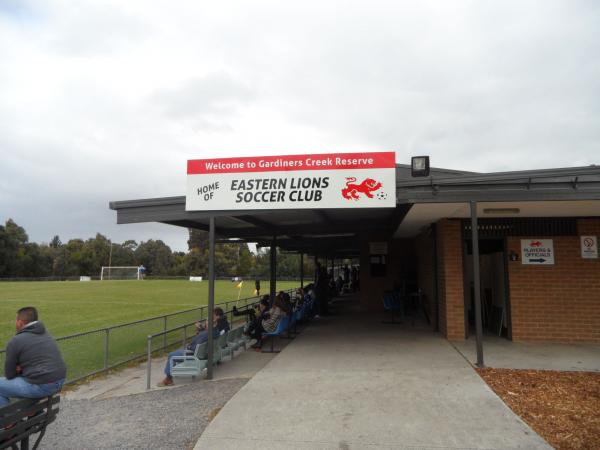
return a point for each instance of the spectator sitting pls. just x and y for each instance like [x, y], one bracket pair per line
[34, 367]
[286, 302]
[311, 296]
[270, 323]
[255, 329]
[298, 298]
[270, 320]
[220, 326]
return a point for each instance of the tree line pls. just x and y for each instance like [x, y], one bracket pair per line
[20, 258]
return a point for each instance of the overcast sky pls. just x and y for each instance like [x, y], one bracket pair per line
[106, 100]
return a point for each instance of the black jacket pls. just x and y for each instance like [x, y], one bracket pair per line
[220, 325]
[36, 352]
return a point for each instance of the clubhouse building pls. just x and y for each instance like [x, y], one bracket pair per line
[535, 271]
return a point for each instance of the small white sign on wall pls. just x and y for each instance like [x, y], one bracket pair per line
[589, 247]
[537, 251]
[378, 248]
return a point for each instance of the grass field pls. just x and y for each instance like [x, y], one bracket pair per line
[71, 307]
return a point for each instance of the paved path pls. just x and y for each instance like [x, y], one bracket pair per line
[502, 353]
[349, 382]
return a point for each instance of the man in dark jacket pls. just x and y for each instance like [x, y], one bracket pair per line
[220, 325]
[34, 367]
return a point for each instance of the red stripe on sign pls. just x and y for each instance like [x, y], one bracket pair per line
[325, 161]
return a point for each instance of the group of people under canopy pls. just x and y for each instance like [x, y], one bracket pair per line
[263, 318]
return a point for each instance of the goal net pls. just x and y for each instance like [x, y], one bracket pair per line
[120, 273]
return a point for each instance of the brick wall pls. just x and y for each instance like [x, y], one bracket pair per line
[450, 279]
[559, 302]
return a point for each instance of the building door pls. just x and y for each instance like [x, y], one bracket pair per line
[495, 308]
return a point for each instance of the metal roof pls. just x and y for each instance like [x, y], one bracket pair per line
[574, 183]
[336, 231]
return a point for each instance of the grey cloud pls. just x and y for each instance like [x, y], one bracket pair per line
[208, 101]
[492, 78]
[482, 86]
[88, 28]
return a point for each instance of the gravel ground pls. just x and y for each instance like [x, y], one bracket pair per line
[163, 419]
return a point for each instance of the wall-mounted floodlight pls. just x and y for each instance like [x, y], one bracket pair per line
[419, 166]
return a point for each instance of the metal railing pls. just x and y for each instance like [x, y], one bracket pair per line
[94, 352]
[179, 336]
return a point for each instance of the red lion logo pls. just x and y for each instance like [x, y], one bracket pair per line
[351, 191]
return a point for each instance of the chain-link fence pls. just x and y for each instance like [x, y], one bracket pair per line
[93, 352]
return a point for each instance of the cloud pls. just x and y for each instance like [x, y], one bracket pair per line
[208, 101]
[104, 101]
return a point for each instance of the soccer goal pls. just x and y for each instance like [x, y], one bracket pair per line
[120, 273]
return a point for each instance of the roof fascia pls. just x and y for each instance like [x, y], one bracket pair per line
[551, 175]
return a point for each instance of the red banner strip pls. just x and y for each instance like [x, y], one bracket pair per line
[325, 161]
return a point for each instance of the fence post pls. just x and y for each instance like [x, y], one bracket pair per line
[165, 331]
[149, 362]
[106, 339]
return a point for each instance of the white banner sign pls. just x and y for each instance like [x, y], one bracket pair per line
[339, 180]
[589, 247]
[537, 251]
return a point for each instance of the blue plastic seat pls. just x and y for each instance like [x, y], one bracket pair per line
[392, 302]
[282, 326]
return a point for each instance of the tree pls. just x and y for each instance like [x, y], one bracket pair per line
[245, 261]
[73, 259]
[198, 239]
[232, 259]
[156, 256]
[55, 242]
[196, 263]
[12, 247]
[123, 254]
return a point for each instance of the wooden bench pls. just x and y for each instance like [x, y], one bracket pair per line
[21, 419]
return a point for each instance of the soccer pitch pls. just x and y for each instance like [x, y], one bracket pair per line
[68, 307]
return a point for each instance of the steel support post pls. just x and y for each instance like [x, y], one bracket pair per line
[106, 341]
[211, 296]
[302, 270]
[273, 283]
[476, 283]
[149, 361]
[165, 330]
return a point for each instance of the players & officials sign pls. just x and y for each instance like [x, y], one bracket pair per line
[338, 180]
[537, 251]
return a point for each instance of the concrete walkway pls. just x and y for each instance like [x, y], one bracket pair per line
[501, 353]
[349, 382]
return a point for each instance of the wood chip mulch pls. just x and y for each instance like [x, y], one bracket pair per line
[562, 407]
